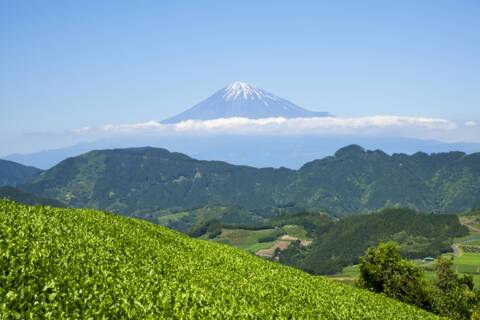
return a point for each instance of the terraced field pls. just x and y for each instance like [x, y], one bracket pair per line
[78, 263]
[468, 259]
[251, 240]
[246, 239]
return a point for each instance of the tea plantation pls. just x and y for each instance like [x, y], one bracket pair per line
[78, 263]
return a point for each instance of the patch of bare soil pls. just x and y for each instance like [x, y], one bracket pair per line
[282, 244]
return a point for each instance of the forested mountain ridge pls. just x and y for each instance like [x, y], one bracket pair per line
[144, 179]
[13, 173]
[147, 180]
[356, 180]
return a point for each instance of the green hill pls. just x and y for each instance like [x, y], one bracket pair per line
[145, 180]
[76, 263]
[142, 181]
[14, 174]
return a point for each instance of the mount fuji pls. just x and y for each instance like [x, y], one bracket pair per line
[240, 99]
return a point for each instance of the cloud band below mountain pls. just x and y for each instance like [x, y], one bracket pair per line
[414, 127]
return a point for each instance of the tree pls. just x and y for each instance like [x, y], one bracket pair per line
[456, 297]
[382, 269]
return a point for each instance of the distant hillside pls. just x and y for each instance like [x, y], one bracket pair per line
[338, 244]
[355, 180]
[148, 180]
[19, 196]
[14, 174]
[144, 180]
[73, 263]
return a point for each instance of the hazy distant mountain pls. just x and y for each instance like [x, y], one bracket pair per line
[240, 99]
[137, 181]
[13, 174]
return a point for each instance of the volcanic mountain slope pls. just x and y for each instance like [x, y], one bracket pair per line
[146, 180]
[240, 99]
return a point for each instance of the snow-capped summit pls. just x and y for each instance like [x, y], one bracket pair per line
[240, 99]
[243, 90]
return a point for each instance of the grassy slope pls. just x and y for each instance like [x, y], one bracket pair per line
[295, 231]
[62, 263]
[245, 239]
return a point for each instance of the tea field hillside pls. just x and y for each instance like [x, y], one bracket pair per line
[78, 263]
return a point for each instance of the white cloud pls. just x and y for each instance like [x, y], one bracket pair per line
[281, 126]
[399, 126]
[470, 124]
[149, 125]
[299, 125]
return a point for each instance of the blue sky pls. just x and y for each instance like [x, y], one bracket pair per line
[71, 64]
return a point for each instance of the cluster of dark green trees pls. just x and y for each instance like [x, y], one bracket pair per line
[383, 270]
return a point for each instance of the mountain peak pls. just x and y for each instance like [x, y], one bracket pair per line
[353, 149]
[240, 99]
[240, 86]
[239, 89]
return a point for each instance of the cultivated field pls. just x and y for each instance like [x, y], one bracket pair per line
[78, 263]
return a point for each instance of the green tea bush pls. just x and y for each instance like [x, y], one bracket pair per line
[78, 263]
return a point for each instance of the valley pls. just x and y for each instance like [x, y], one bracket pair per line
[319, 219]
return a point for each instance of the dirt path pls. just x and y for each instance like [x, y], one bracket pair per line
[270, 252]
[456, 250]
[303, 242]
[472, 228]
